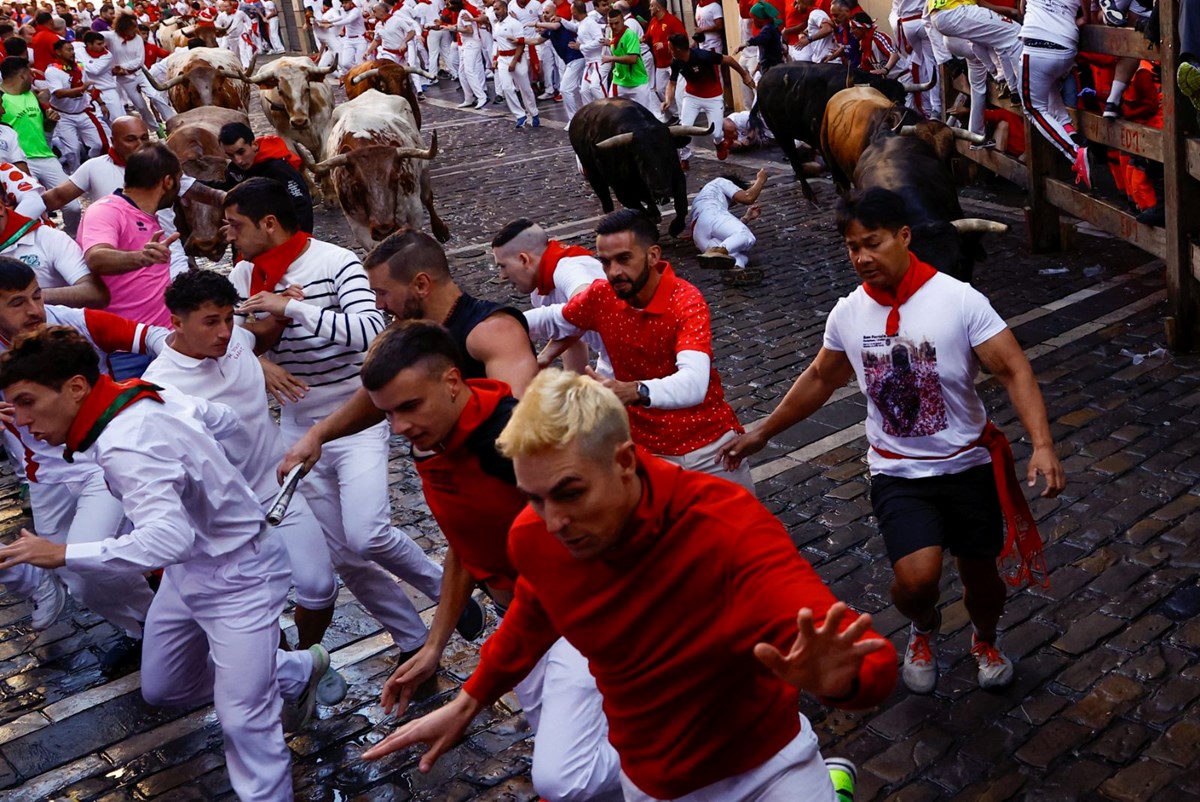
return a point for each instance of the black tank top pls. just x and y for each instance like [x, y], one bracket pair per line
[468, 313]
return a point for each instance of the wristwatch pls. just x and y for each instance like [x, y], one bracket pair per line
[643, 399]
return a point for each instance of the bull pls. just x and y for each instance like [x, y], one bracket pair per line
[194, 142]
[792, 98]
[624, 148]
[379, 167]
[169, 34]
[296, 100]
[911, 166]
[387, 77]
[205, 76]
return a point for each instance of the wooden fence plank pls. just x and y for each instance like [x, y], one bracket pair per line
[999, 163]
[1117, 42]
[1138, 140]
[1105, 216]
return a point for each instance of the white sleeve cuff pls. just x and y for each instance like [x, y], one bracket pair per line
[686, 387]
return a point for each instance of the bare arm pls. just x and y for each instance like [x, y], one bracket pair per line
[735, 65]
[750, 194]
[502, 345]
[105, 260]
[61, 195]
[87, 293]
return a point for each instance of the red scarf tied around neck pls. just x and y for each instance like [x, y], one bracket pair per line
[914, 278]
[273, 147]
[17, 226]
[270, 266]
[555, 252]
[107, 399]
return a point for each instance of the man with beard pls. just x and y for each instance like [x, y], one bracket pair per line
[78, 126]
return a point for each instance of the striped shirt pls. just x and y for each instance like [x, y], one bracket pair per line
[330, 330]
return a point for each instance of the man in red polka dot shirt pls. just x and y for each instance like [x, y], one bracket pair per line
[656, 329]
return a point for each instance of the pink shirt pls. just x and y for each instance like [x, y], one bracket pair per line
[115, 221]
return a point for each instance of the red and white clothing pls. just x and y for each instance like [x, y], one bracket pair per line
[919, 384]
[591, 40]
[272, 13]
[913, 41]
[53, 256]
[353, 43]
[472, 75]
[78, 126]
[97, 70]
[130, 55]
[514, 85]
[392, 35]
[562, 274]
[877, 50]
[817, 50]
[708, 12]
[238, 35]
[1051, 43]
[22, 192]
[10, 146]
[713, 225]
[688, 703]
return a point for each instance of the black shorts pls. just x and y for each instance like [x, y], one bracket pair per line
[959, 512]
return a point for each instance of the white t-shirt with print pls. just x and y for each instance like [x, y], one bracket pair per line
[705, 17]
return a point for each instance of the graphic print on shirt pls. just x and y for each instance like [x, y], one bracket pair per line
[902, 379]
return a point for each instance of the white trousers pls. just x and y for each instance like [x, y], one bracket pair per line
[352, 50]
[416, 57]
[515, 87]
[50, 173]
[86, 512]
[79, 131]
[348, 493]
[690, 108]
[916, 45]
[1042, 74]
[273, 34]
[982, 27]
[572, 758]
[796, 772]
[213, 635]
[330, 53]
[312, 566]
[659, 78]
[704, 460]
[137, 90]
[977, 75]
[548, 61]
[570, 86]
[642, 96]
[716, 228]
[112, 104]
[442, 47]
[592, 85]
[471, 74]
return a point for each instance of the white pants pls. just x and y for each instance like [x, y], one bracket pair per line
[572, 758]
[690, 108]
[659, 78]
[442, 46]
[112, 104]
[330, 53]
[273, 34]
[913, 42]
[471, 75]
[86, 512]
[416, 57]
[353, 48]
[312, 566]
[515, 87]
[213, 635]
[1042, 73]
[347, 491]
[640, 95]
[79, 131]
[137, 90]
[570, 86]
[796, 772]
[50, 173]
[715, 228]
[704, 460]
[548, 60]
[982, 27]
[591, 85]
[977, 75]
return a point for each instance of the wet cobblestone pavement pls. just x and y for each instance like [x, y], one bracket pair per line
[1105, 700]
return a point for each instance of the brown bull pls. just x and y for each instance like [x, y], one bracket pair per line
[204, 77]
[194, 142]
[387, 77]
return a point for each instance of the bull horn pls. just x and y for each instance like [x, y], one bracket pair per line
[907, 130]
[305, 157]
[618, 141]
[419, 153]
[163, 87]
[690, 130]
[925, 87]
[963, 133]
[364, 75]
[253, 62]
[408, 70]
[316, 73]
[230, 74]
[321, 168]
[977, 225]
[256, 78]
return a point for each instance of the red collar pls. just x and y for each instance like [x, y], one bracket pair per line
[107, 399]
[486, 395]
[270, 266]
[666, 286]
[273, 147]
[645, 525]
[914, 278]
[555, 252]
[14, 225]
[117, 160]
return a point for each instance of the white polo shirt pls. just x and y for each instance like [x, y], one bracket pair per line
[53, 256]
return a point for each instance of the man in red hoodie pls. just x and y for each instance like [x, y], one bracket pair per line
[699, 620]
[44, 38]
[266, 157]
[413, 373]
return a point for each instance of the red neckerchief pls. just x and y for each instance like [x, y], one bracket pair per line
[74, 72]
[555, 252]
[107, 399]
[117, 160]
[914, 278]
[273, 147]
[270, 266]
[14, 224]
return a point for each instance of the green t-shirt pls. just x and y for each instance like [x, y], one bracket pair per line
[629, 74]
[24, 114]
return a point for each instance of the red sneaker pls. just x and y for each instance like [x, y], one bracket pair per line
[684, 164]
[723, 149]
[1082, 169]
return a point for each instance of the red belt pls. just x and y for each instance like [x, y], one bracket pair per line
[390, 50]
[901, 39]
[506, 52]
[1022, 529]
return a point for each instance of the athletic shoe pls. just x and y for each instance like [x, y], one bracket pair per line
[420, 95]
[547, 95]
[1082, 169]
[995, 670]
[124, 654]
[989, 144]
[1187, 77]
[298, 712]
[723, 149]
[536, 122]
[331, 688]
[466, 105]
[472, 621]
[558, 97]
[481, 105]
[497, 100]
[520, 122]
[1112, 13]
[920, 671]
[842, 773]
[1112, 111]
[48, 601]
[717, 258]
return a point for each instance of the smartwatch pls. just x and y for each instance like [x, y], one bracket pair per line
[643, 399]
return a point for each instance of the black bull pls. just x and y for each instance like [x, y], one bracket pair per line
[622, 147]
[791, 100]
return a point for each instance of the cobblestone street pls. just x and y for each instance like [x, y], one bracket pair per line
[1106, 702]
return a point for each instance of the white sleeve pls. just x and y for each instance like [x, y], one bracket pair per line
[548, 323]
[30, 203]
[980, 320]
[12, 146]
[833, 336]
[574, 275]
[66, 257]
[684, 388]
[82, 177]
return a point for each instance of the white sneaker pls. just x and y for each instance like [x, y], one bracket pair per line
[299, 712]
[995, 669]
[919, 671]
[48, 601]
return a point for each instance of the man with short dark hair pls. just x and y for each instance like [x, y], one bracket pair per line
[129, 57]
[511, 63]
[915, 339]
[629, 77]
[212, 633]
[105, 17]
[702, 92]
[266, 157]
[44, 39]
[97, 64]
[78, 126]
